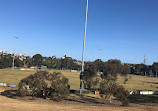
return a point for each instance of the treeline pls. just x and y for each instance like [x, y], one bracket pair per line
[7, 60]
[57, 63]
[53, 62]
[38, 60]
[72, 64]
[145, 70]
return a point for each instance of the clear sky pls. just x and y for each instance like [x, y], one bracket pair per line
[122, 29]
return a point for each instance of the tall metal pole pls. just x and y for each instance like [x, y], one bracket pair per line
[144, 59]
[83, 49]
[14, 51]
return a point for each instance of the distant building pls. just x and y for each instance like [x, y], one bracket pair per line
[43, 67]
[3, 52]
[66, 57]
[53, 57]
[78, 62]
[20, 56]
[123, 64]
[44, 59]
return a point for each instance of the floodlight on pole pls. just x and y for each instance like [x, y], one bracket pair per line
[14, 51]
[83, 49]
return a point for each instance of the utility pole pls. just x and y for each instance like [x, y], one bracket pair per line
[145, 64]
[144, 59]
[14, 51]
[81, 75]
[99, 58]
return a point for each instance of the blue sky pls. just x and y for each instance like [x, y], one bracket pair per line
[123, 29]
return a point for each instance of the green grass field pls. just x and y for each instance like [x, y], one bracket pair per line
[14, 76]
[134, 83]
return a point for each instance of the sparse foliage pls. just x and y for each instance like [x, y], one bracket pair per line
[88, 76]
[109, 88]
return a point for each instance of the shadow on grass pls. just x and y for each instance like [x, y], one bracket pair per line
[9, 93]
[153, 82]
[83, 99]
[80, 99]
[87, 100]
[143, 98]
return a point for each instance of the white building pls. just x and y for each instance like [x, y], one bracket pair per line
[3, 52]
[20, 56]
[66, 56]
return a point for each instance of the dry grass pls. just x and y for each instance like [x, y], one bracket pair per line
[8, 104]
[139, 83]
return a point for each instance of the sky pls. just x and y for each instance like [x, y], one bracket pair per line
[116, 29]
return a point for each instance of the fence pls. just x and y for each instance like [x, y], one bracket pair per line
[144, 92]
[95, 92]
[8, 85]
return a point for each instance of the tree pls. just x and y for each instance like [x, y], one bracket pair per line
[99, 65]
[114, 61]
[18, 62]
[88, 77]
[124, 71]
[109, 70]
[44, 84]
[5, 61]
[138, 68]
[107, 88]
[121, 94]
[51, 63]
[155, 68]
[37, 59]
[28, 62]
[108, 85]
[144, 70]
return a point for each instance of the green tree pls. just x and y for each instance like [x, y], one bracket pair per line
[109, 69]
[5, 61]
[108, 85]
[89, 75]
[37, 60]
[155, 68]
[28, 62]
[44, 84]
[18, 62]
[99, 65]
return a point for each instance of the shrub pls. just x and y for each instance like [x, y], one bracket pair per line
[109, 88]
[121, 94]
[44, 84]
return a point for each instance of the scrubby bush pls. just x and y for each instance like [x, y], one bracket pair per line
[109, 88]
[44, 84]
[121, 94]
[91, 83]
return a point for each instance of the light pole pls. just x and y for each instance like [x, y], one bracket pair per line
[14, 51]
[81, 75]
